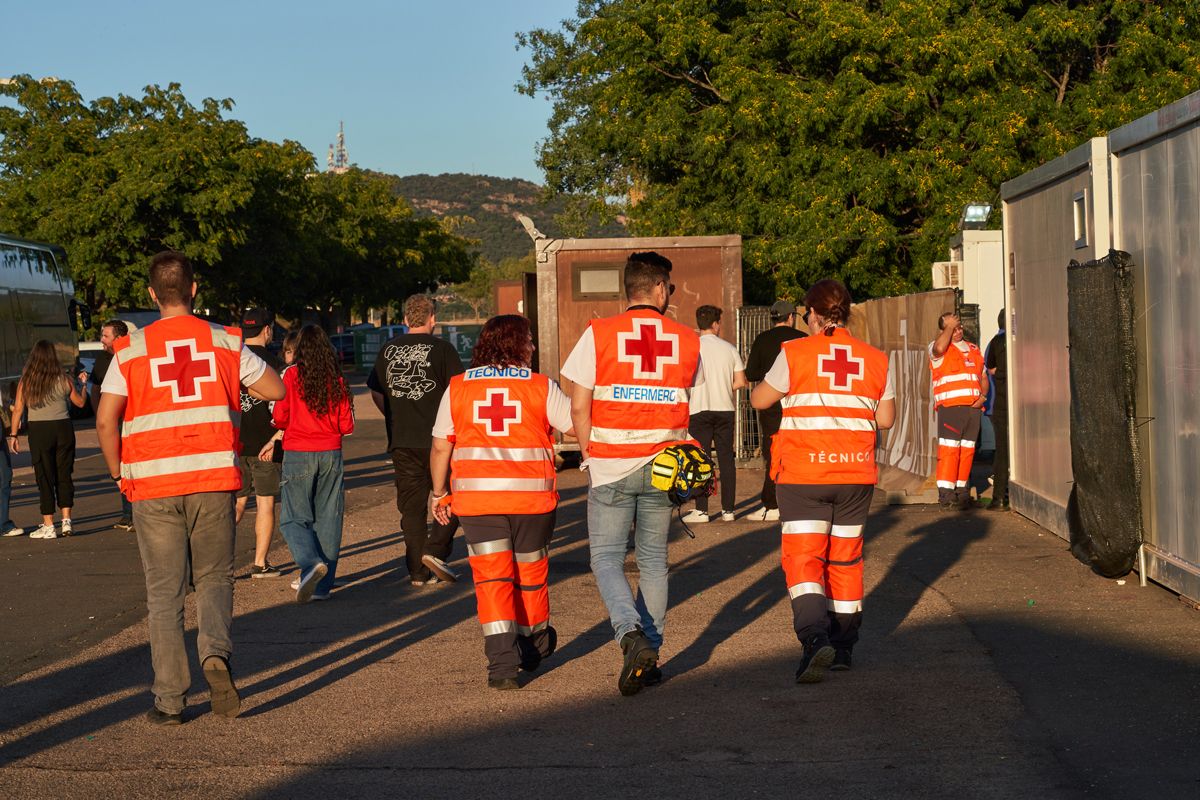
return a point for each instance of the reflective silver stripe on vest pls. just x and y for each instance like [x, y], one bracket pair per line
[175, 465]
[501, 454]
[962, 376]
[826, 400]
[503, 626]
[487, 548]
[844, 606]
[846, 531]
[530, 630]
[827, 424]
[502, 485]
[643, 436]
[939, 397]
[135, 349]
[225, 340]
[808, 587]
[531, 558]
[806, 526]
[175, 419]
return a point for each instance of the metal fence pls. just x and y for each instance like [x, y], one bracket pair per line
[751, 321]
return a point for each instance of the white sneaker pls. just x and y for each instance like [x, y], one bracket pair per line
[728, 516]
[763, 514]
[772, 514]
[66, 527]
[695, 517]
[14, 531]
[44, 532]
[295, 585]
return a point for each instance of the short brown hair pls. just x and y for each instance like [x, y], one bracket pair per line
[706, 316]
[171, 278]
[417, 310]
[644, 271]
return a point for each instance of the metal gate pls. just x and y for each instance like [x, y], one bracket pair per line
[751, 321]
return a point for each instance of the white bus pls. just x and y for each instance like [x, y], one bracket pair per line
[36, 302]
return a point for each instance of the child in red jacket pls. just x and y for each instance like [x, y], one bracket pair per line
[314, 416]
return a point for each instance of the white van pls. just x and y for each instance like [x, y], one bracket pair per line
[36, 302]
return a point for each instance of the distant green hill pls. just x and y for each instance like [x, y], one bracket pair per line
[493, 203]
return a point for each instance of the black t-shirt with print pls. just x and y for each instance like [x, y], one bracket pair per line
[412, 372]
[256, 414]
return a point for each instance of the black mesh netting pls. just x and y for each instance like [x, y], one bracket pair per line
[1104, 511]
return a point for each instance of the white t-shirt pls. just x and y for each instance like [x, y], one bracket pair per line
[580, 368]
[721, 360]
[558, 412]
[964, 346]
[250, 369]
[780, 378]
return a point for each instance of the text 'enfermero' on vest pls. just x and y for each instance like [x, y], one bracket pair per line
[620, 393]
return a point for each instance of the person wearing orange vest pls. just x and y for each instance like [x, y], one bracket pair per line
[960, 390]
[836, 392]
[632, 376]
[493, 467]
[168, 427]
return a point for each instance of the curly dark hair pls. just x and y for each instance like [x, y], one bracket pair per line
[322, 387]
[504, 342]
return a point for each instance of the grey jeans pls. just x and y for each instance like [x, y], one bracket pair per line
[185, 539]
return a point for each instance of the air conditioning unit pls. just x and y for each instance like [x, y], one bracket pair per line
[947, 275]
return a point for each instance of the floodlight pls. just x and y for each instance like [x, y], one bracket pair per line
[974, 216]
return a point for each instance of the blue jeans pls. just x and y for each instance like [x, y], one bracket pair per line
[6, 476]
[313, 502]
[611, 509]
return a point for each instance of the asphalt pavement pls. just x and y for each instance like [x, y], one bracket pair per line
[992, 664]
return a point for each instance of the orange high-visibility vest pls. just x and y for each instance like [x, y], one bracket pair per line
[645, 365]
[503, 459]
[180, 433]
[956, 379]
[827, 434]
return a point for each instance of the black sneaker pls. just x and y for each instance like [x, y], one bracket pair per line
[841, 660]
[818, 655]
[640, 656]
[998, 506]
[653, 676]
[159, 717]
[503, 684]
[531, 657]
[265, 571]
[225, 699]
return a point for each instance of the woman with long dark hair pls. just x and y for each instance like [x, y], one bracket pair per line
[493, 465]
[836, 392]
[315, 414]
[43, 391]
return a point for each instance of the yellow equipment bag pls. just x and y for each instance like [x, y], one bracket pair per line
[684, 472]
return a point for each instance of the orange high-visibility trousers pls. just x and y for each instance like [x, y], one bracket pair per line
[822, 557]
[509, 557]
[958, 433]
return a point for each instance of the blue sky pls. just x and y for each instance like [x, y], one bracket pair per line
[421, 86]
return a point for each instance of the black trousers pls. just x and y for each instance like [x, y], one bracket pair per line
[768, 425]
[714, 430]
[1000, 463]
[413, 485]
[52, 447]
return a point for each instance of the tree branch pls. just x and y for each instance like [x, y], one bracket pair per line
[685, 77]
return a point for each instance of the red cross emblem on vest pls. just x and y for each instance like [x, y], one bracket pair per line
[647, 348]
[497, 413]
[184, 370]
[841, 367]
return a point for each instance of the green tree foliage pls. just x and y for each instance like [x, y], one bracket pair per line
[478, 291]
[118, 179]
[839, 138]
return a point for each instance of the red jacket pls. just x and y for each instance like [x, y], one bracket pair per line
[304, 430]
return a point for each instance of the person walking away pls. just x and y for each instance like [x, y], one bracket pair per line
[411, 373]
[315, 414]
[836, 392]
[960, 388]
[7, 526]
[632, 374]
[712, 409]
[109, 333]
[763, 352]
[44, 391]
[167, 425]
[260, 476]
[493, 467]
[996, 362]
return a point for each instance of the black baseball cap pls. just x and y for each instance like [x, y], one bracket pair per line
[781, 308]
[256, 318]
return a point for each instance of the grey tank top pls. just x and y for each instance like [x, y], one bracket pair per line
[55, 409]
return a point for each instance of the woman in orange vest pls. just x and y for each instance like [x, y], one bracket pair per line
[491, 439]
[836, 392]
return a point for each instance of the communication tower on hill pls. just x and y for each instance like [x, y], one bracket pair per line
[339, 160]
